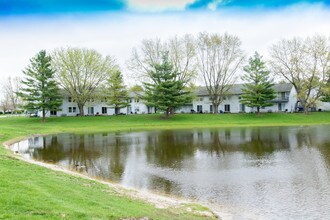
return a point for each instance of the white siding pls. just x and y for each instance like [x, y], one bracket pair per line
[287, 101]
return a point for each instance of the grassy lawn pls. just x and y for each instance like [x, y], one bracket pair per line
[28, 191]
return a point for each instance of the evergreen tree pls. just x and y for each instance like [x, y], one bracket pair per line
[258, 91]
[40, 91]
[165, 92]
[116, 92]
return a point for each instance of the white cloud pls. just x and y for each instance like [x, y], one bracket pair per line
[213, 5]
[158, 5]
[117, 34]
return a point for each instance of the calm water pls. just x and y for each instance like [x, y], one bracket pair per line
[266, 173]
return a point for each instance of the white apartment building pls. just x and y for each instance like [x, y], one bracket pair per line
[286, 101]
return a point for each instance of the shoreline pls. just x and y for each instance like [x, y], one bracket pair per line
[157, 200]
[15, 130]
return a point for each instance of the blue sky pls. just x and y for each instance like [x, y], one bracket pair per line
[23, 7]
[114, 27]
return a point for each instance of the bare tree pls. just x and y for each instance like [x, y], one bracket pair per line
[219, 58]
[10, 88]
[81, 71]
[181, 52]
[143, 58]
[306, 64]
[4, 104]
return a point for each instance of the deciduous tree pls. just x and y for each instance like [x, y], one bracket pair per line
[81, 71]
[181, 54]
[39, 90]
[219, 58]
[258, 91]
[306, 64]
[4, 104]
[10, 88]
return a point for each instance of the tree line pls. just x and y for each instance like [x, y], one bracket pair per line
[168, 69]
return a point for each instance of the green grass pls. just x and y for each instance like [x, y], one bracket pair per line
[31, 192]
[19, 127]
[28, 191]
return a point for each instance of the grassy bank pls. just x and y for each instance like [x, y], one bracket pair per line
[17, 127]
[31, 192]
[28, 191]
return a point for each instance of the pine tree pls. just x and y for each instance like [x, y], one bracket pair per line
[166, 92]
[40, 91]
[116, 92]
[258, 91]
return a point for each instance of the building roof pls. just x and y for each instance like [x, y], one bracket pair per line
[236, 89]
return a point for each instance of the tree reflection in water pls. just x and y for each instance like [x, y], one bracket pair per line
[251, 167]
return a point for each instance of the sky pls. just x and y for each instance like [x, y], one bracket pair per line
[114, 27]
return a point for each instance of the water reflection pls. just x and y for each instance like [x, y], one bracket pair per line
[275, 172]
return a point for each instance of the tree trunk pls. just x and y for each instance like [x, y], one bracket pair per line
[81, 109]
[258, 110]
[167, 114]
[215, 108]
[305, 110]
[304, 105]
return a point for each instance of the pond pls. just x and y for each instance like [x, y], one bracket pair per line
[266, 172]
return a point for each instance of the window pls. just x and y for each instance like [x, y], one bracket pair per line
[201, 99]
[69, 99]
[227, 108]
[53, 113]
[199, 108]
[137, 100]
[72, 109]
[91, 110]
[211, 108]
[104, 110]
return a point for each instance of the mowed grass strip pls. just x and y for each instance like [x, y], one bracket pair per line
[28, 191]
[13, 127]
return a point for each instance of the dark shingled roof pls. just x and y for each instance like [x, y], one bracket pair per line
[236, 89]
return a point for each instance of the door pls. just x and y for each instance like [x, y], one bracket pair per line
[91, 110]
[199, 108]
[242, 108]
